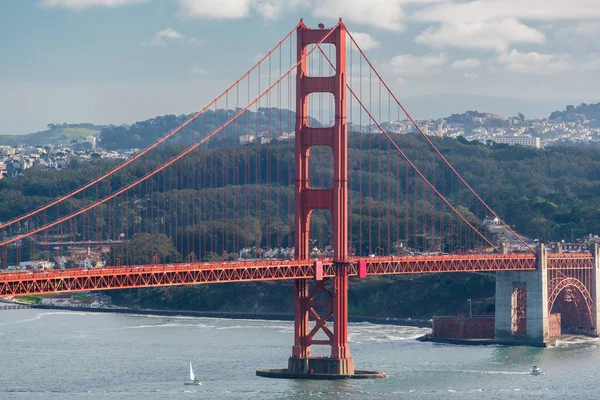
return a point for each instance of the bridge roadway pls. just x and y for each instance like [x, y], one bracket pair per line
[75, 280]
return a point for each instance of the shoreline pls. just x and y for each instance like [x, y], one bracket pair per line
[419, 323]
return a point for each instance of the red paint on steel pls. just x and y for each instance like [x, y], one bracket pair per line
[362, 269]
[334, 199]
[301, 348]
[318, 270]
[137, 276]
[320, 308]
[340, 350]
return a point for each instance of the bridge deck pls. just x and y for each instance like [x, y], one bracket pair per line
[74, 280]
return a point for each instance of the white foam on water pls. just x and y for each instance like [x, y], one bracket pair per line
[170, 316]
[147, 326]
[238, 327]
[578, 341]
[165, 325]
[367, 332]
[497, 372]
[45, 314]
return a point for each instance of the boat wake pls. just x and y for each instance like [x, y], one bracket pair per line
[471, 371]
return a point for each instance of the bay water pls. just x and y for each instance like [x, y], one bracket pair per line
[85, 355]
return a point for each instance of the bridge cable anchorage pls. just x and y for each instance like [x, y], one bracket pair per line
[168, 163]
[415, 169]
[435, 149]
[149, 148]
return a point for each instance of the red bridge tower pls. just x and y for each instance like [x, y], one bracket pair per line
[318, 299]
[334, 199]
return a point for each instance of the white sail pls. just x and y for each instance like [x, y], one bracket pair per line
[192, 377]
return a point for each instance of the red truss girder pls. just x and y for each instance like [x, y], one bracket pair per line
[568, 261]
[461, 263]
[75, 280]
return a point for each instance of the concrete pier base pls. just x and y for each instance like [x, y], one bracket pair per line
[319, 368]
[522, 304]
[320, 365]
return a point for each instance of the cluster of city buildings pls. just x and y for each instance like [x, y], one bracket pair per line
[534, 133]
[494, 127]
[252, 253]
[62, 257]
[15, 160]
[498, 128]
[87, 300]
[282, 253]
[265, 137]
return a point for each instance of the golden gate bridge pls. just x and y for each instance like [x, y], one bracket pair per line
[385, 203]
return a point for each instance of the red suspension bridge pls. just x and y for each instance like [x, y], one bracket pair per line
[361, 190]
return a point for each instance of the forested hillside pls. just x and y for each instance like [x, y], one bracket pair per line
[144, 133]
[581, 112]
[550, 194]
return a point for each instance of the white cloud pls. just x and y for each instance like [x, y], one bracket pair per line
[161, 38]
[531, 10]
[219, 9]
[383, 14]
[365, 41]
[497, 35]
[582, 28]
[469, 63]
[197, 70]
[83, 4]
[534, 63]
[470, 75]
[269, 11]
[581, 37]
[237, 9]
[591, 63]
[168, 33]
[408, 64]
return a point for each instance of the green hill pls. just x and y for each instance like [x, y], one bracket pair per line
[56, 134]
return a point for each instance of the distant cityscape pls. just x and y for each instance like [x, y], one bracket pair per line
[15, 160]
[497, 128]
[576, 125]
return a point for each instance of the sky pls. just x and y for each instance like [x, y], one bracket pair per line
[121, 61]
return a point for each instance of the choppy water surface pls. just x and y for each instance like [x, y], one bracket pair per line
[73, 355]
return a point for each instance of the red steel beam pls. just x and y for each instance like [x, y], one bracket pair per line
[435, 264]
[570, 261]
[76, 280]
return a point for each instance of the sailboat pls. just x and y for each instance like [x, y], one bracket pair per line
[192, 380]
